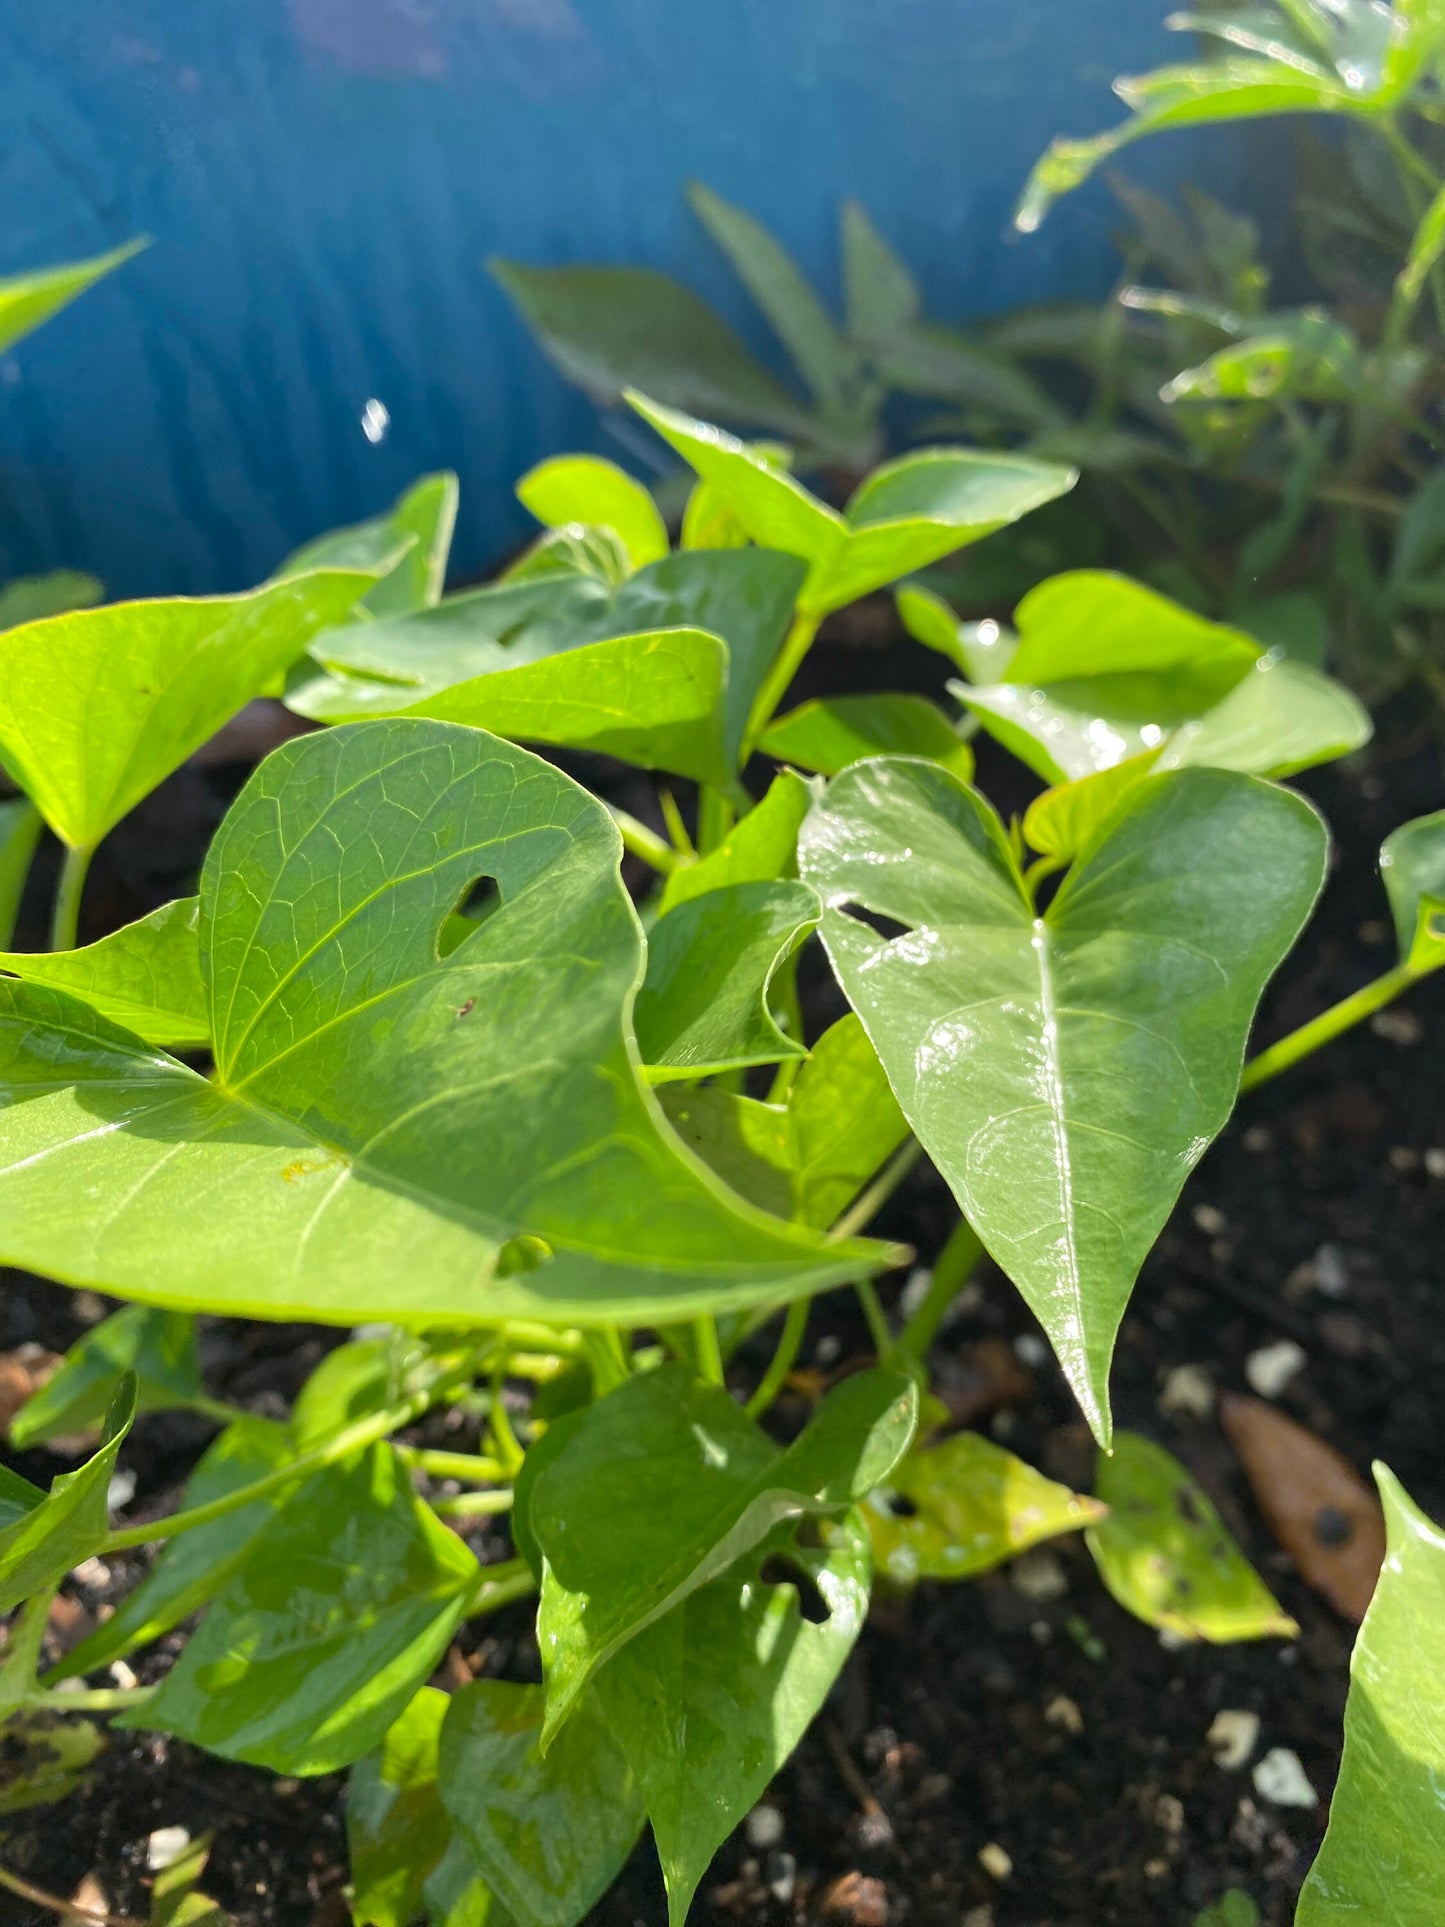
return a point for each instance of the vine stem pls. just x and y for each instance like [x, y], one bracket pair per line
[951, 1271]
[452, 1465]
[65, 920]
[789, 1345]
[1330, 1024]
[866, 1206]
[500, 1586]
[709, 1351]
[789, 659]
[654, 850]
[97, 1699]
[16, 856]
[68, 1910]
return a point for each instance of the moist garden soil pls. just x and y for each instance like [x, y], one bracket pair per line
[1022, 1717]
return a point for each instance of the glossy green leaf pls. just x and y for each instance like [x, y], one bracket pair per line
[748, 1144]
[908, 513]
[369, 1095]
[159, 1347]
[176, 1899]
[1412, 862]
[98, 706]
[828, 733]
[146, 977]
[1060, 821]
[761, 847]
[665, 1483]
[548, 1833]
[1064, 1072]
[610, 328]
[29, 597]
[703, 1006]
[1167, 1556]
[396, 1827]
[509, 659]
[407, 548]
[1383, 1856]
[26, 300]
[1282, 717]
[61, 1528]
[982, 650]
[967, 1506]
[587, 489]
[194, 1566]
[20, 827]
[343, 1605]
[43, 1756]
[710, 1700]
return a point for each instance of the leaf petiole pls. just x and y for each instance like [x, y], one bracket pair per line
[65, 919]
[789, 1345]
[951, 1271]
[1330, 1024]
[775, 684]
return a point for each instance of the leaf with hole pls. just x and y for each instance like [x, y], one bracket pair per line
[146, 976]
[44, 1534]
[1064, 1071]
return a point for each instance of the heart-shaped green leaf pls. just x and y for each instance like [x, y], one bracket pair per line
[1383, 1857]
[828, 733]
[146, 977]
[407, 548]
[159, 1347]
[709, 1701]
[372, 1096]
[548, 1833]
[171, 673]
[42, 1535]
[397, 1829]
[1167, 1556]
[343, 1605]
[1412, 862]
[1065, 1072]
[596, 493]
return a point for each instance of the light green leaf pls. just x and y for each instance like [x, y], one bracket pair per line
[610, 328]
[760, 848]
[44, 1757]
[406, 549]
[1234, 1909]
[665, 1483]
[457, 1897]
[1167, 1557]
[20, 827]
[1064, 1072]
[967, 1507]
[1282, 717]
[982, 650]
[146, 977]
[1383, 1858]
[396, 1827]
[195, 1565]
[1060, 821]
[703, 1006]
[59, 1529]
[1412, 862]
[28, 299]
[549, 1833]
[908, 513]
[748, 1144]
[98, 706]
[159, 1347]
[709, 1701]
[575, 549]
[30, 597]
[350, 1383]
[586, 489]
[367, 1097]
[828, 733]
[343, 1605]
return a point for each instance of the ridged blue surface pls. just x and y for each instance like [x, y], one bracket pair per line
[323, 180]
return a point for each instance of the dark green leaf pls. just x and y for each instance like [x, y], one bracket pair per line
[159, 1347]
[828, 733]
[20, 827]
[146, 977]
[396, 1827]
[41, 1543]
[880, 295]
[1064, 1071]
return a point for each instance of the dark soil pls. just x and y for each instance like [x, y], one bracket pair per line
[977, 1716]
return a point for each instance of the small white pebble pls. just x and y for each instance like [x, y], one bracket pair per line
[121, 1489]
[122, 1676]
[978, 1917]
[764, 1828]
[1039, 1576]
[1332, 1273]
[784, 1878]
[1401, 1027]
[1172, 1640]
[1435, 1161]
[93, 1572]
[1063, 1713]
[1169, 1813]
[1210, 1220]
[1188, 1392]
[1258, 1139]
[915, 1291]
[1279, 1777]
[1030, 1349]
[1272, 1367]
[165, 1847]
[995, 1861]
[827, 1349]
[1233, 1735]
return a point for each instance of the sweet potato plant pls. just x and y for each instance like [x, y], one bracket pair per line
[413, 1061]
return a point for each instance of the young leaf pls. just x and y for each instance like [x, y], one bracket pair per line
[171, 673]
[981, 650]
[42, 1535]
[367, 1093]
[586, 489]
[195, 1565]
[665, 1483]
[760, 848]
[146, 977]
[1383, 1857]
[703, 1006]
[548, 1833]
[396, 1827]
[159, 1347]
[709, 1701]
[20, 827]
[908, 513]
[1063, 1071]
[967, 1507]
[828, 733]
[576, 549]
[610, 328]
[26, 300]
[343, 1605]
[406, 549]
[1061, 821]
[1167, 1557]
[1412, 862]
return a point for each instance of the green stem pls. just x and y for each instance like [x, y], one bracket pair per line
[453, 1465]
[866, 1206]
[775, 683]
[951, 1271]
[714, 818]
[468, 1505]
[72, 1914]
[498, 1586]
[65, 922]
[607, 1359]
[499, 1420]
[789, 1345]
[1329, 1024]
[682, 843]
[653, 849]
[709, 1351]
[15, 860]
[99, 1699]
[883, 1342]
